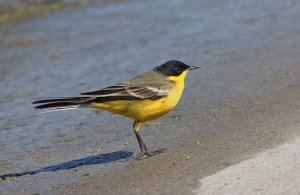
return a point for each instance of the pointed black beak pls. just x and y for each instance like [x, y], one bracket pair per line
[193, 67]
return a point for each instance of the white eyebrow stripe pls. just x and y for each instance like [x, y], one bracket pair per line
[156, 90]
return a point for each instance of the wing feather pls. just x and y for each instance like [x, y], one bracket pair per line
[127, 92]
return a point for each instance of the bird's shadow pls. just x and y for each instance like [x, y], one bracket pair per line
[90, 160]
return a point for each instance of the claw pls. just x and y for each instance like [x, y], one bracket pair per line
[148, 153]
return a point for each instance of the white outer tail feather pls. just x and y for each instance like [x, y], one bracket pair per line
[59, 109]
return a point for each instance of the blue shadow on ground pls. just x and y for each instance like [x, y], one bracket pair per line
[90, 160]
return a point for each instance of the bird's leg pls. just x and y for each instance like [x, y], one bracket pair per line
[136, 127]
[144, 150]
[141, 143]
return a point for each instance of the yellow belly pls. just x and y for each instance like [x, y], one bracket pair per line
[143, 110]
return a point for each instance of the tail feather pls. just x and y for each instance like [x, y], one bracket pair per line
[57, 104]
[55, 100]
[45, 110]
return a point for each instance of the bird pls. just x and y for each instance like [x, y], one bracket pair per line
[143, 98]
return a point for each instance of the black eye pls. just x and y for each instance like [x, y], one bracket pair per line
[178, 70]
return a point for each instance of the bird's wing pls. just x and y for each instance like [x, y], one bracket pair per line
[124, 91]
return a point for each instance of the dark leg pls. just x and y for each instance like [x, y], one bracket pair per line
[136, 127]
[144, 150]
[141, 142]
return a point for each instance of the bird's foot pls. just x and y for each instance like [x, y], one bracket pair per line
[148, 153]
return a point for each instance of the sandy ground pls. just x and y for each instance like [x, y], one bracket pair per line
[244, 100]
[275, 171]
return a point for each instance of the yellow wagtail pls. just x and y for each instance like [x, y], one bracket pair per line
[143, 98]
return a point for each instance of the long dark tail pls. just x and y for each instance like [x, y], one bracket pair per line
[57, 104]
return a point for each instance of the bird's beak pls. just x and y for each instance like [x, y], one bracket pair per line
[193, 67]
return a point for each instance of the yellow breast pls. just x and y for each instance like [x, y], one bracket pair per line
[145, 110]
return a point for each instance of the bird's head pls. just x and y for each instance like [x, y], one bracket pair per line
[174, 68]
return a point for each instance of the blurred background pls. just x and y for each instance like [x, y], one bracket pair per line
[244, 99]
